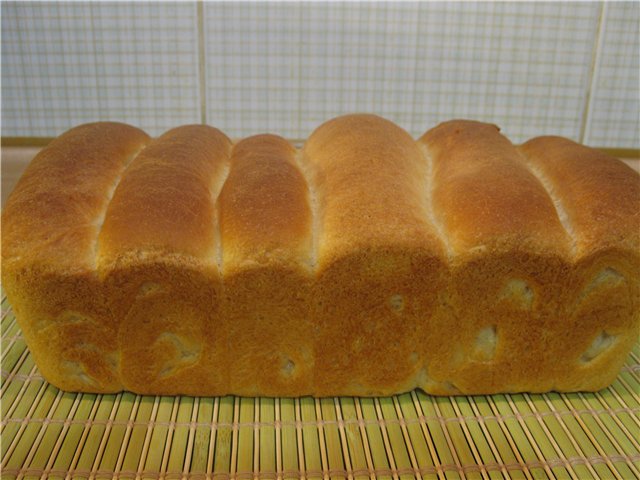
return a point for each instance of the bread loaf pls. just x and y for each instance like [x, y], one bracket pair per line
[363, 263]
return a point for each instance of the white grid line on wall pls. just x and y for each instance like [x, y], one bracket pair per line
[70, 63]
[285, 67]
[615, 110]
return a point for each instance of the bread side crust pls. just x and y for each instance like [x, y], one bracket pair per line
[600, 198]
[158, 256]
[267, 239]
[380, 264]
[365, 263]
[50, 228]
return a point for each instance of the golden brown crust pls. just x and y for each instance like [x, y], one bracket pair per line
[52, 216]
[265, 225]
[484, 195]
[601, 195]
[265, 217]
[50, 229]
[169, 333]
[380, 263]
[366, 263]
[599, 198]
[370, 180]
[509, 250]
[158, 255]
[164, 203]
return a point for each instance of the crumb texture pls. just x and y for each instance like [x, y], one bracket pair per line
[365, 262]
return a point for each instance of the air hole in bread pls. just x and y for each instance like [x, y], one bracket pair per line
[605, 277]
[77, 371]
[422, 379]
[65, 317]
[73, 317]
[149, 288]
[450, 387]
[478, 249]
[84, 378]
[458, 356]
[396, 302]
[600, 344]
[88, 346]
[520, 291]
[41, 324]
[113, 359]
[187, 353]
[427, 384]
[485, 346]
[288, 368]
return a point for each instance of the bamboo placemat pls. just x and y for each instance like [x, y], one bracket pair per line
[47, 433]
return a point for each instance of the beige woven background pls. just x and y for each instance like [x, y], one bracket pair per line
[534, 68]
